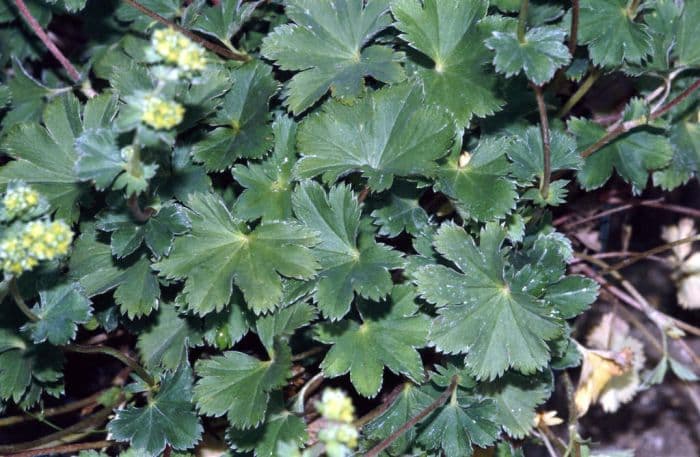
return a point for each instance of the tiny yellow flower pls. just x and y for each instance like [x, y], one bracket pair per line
[179, 50]
[336, 406]
[162, 114]
[20, 199]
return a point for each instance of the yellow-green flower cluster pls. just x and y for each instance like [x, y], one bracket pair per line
[339, 436]
[179, 50]
[19, 200]
[162, 114]
[35, 242]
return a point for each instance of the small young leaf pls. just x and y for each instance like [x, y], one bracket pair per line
[242, 128]
[168, 419]
[224, 19]
[539, 56]
[60, 310]
[268, 184]
[478, 182]
[400, 211]
[239, 385]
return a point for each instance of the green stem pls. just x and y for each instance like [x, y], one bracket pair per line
[522, 20]
[546, 148]
[126, 360]
[580, 93]
[19, 301]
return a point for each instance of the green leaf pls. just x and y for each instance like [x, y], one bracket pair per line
[328, 45]
[527, 154]
[44, 156]
[632, 155]
[224, 19]
[685, 140]
[681, 370]
[165, 343]
[284, 322]
[686, 35]
[91, 264]
[410, 401]
[539, 56]
[279, 427]
[462, 423]
[168, 419]
[158, 232]
[572, 295]
[350, 264]
[220, 251]
[556, 194]
[138, 293]
[388, 132]
[5, 96]
[388, 337]
[27, 94]
[399, 210]
[25, 366]
[612, 34]
[239, 385]
[478, 181]
[497, 326]
[242, 119]
[99, 159]
[268, 184]
[61, 309]
[516, 398]
[446, 31]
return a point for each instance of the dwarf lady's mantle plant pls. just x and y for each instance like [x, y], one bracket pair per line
[242, 201]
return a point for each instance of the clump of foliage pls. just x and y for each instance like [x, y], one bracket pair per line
[244, 200]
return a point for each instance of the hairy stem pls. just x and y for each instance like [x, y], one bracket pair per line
[19, 301]
[438, 402]
[546, 148]
[126, 360]
[220, 50]
[573, 35]
[627, 126]
[44, 37]
[141, 215]
[580, 93]
[522, 20]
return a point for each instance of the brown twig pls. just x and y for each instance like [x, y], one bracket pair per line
[139, 214]
[43, 36]
[573, 35]
[220, 50]
[625, 127]
[656, 204]
[376, 450]
[85, 424]
[64, 449]
[379, 410]
[51, 412]
[546, 148]
[643, 255]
